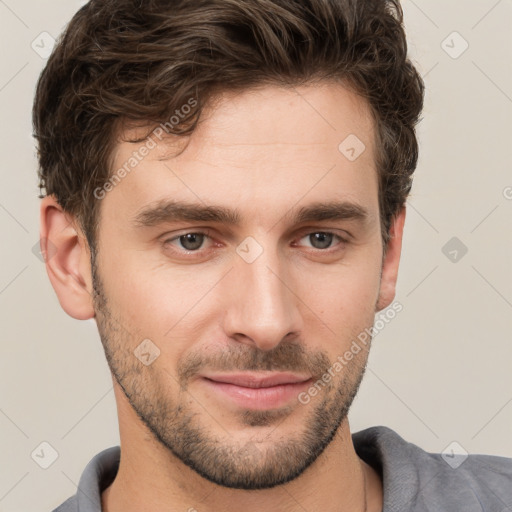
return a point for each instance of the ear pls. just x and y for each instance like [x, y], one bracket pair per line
[67, 258]
[390, 262]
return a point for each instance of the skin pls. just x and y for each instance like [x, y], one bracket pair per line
[265, 152]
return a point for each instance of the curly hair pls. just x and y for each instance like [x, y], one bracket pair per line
[137, 61]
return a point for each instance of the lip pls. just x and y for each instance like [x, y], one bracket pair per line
[258, 391]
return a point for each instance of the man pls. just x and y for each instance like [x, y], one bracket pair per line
[225, 194]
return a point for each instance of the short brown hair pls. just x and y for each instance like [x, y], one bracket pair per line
[140, 60]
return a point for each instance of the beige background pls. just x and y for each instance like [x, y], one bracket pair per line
[439, 372]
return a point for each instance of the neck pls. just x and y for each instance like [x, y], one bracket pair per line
[152, 478]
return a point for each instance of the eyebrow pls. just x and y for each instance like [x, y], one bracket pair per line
[169, 210]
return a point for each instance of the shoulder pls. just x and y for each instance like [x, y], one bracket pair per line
[419, 480]
[97, 475]
[70, 505]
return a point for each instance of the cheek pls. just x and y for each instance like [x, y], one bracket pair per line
[150, 288]
[158, 302]
[343, 299]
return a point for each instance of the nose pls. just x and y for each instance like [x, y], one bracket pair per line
[262, 309]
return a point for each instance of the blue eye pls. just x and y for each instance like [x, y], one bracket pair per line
[188, 241]
[322, 239]
[197, 241]
[192, 241]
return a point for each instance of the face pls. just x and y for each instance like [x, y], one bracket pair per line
[255, 254]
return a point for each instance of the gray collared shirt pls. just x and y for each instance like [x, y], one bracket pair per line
[413, 479]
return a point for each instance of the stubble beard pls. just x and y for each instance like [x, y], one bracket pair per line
[180, 426]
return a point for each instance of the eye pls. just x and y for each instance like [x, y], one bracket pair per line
[195, 241]
[188, 241]
[322, 239]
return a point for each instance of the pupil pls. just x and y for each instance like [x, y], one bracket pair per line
[321, 240]
[191, 241]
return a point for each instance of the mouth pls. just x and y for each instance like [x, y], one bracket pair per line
[258, 391]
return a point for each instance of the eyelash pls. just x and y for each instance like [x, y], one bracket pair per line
[206, 233]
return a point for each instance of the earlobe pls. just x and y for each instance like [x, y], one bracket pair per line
[391, 262]
[67, 259]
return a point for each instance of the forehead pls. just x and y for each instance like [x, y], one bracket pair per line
[257, 148]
